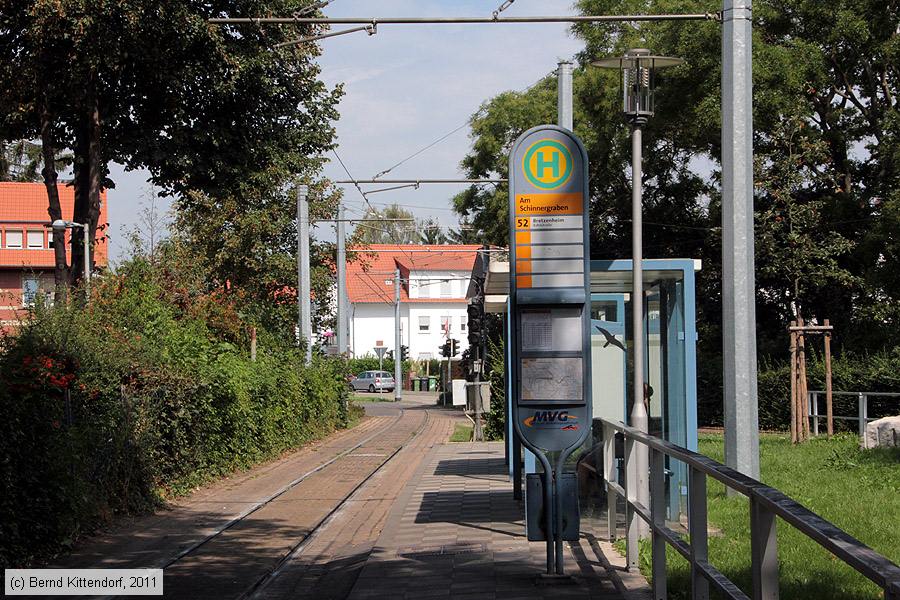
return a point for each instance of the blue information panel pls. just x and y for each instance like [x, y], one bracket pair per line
[550, 289]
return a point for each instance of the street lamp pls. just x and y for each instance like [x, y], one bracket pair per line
[638, 68]
[59, 225]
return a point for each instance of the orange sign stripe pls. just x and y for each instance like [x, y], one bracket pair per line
[523, 281]
[523, 237]
[523, 267]
[550, 204]
[523, 252]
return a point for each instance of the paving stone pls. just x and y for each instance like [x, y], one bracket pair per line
[461, 495]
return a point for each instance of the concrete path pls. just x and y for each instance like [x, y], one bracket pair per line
[456, 532]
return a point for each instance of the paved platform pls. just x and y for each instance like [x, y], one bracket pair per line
[456, 532]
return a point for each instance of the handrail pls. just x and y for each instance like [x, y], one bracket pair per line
[765, 504]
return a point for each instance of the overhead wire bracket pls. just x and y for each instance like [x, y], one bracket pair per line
[371, 29]
[397, 187]
[501, 8]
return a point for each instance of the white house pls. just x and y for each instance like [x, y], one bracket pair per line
[434, 280]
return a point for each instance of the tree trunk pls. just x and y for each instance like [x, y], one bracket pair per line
[87, 181]
[48, 148]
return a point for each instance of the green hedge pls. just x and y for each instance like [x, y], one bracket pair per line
[160, 402]
[851, 372]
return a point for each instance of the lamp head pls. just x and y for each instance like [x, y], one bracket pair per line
[60, 224]
[638, 68]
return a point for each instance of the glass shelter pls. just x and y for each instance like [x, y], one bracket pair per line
[670, 362]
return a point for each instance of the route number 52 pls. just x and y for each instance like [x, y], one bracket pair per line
[522, 223]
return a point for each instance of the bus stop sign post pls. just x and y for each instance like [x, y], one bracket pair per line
[550, 301]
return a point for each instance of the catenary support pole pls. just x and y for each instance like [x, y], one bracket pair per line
[639, 418]
[398, 341]
[738, 280]
[564, 93]
[303, 269]
[342, 314]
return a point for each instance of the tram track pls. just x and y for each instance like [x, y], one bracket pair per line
[262, 503]
[249, 529]
[260, 586]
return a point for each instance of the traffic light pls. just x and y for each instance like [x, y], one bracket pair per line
[476, 323]
[389, 355]
[450, 348]
[404, 352]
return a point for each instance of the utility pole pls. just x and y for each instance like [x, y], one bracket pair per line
[738, 277]
[398, 353]
[342, 316]
[303, 269]
[564, 93]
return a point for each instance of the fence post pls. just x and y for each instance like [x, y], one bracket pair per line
[698, 532]
[814, 407]
[763, 551]
[863, 401]
[609, 469]
[632, 526]
[658, 516]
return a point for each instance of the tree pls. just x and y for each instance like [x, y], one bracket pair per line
[795, 255]
[431, 232]
[247, 244]
[152, 226]
[393, 225]
[826, 88]
[23, 161]
[215, 110]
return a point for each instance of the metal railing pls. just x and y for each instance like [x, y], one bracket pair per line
[862, 414]
[766, 503]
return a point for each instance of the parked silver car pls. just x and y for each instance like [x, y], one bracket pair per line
[373, 381]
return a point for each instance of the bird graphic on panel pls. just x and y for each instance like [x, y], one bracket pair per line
[610, 338]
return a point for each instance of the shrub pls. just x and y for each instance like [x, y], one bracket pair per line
[114, 408]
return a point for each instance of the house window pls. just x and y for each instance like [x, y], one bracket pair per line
[445, 288]
[424, 324]
[445, 324]
[463, 321]
[13, 239]
[30, 286]
[35, 239]
[50, 238]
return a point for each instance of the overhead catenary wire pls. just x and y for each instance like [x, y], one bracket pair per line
[421, 150]
[356, 185]
[709, 16]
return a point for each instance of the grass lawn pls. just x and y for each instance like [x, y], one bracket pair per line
[859, 491]
[461, 433]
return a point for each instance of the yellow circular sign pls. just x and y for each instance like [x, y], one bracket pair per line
[547, 164]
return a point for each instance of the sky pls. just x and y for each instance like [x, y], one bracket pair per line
[405, 87]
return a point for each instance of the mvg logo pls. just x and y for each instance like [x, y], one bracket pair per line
[552, 418]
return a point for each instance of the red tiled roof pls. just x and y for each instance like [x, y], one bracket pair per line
[23, 206]
[375, 264]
